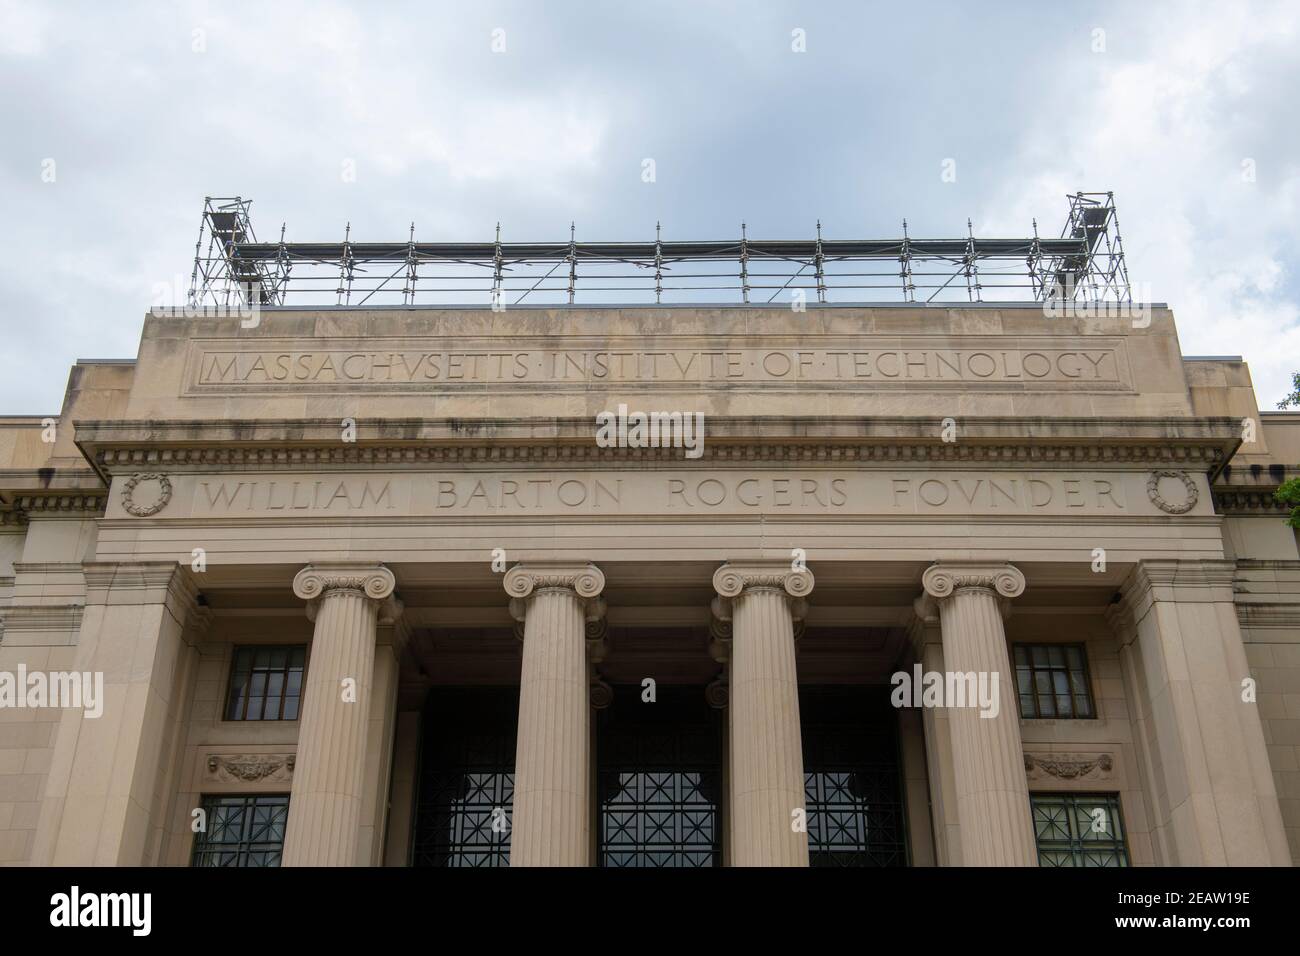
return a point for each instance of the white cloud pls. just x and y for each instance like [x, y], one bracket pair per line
[1165, 119]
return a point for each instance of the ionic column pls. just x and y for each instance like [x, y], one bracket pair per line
[765, 752]
[345, 602]
[551, 820]
[988, 762]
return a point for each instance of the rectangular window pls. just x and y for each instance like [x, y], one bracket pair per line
[1052, 681]
[1079, 829]
[266, 682]
[241, 830]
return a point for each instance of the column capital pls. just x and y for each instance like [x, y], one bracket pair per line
[585, 580]
[736, 577]
[944, 578]
[373, 581]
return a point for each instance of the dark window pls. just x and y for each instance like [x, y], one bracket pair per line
[1052, 681]
[659, 773]
[242, 830]
[1079, 829]
[853, 788]
[467, 777]
[266, 683]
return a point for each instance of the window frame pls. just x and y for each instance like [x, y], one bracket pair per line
[1086, 668]
[230, 683]
[242, 849]
[1077, 845]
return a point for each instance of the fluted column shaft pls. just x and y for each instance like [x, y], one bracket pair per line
[551, 819]
[988, 761]
[325, 801]
[765, 751]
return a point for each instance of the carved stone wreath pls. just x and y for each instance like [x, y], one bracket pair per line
[144, 511]
[1153, 492]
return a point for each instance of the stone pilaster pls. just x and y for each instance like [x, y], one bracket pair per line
[992, 795]
[1200, 742]
[102, 802]
[346, 602]
[762, 599]
[551, 820]
[927, 647]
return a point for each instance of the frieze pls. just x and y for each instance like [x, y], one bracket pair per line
[1069, 766]
[800, 490]
[781, 362]
[250, 768]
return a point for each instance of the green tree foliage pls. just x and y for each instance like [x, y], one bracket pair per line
[1289, 494]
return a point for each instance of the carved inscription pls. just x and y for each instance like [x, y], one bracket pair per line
[1052, 365]
[683, 493]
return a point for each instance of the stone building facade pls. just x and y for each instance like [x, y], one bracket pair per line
[361, 587]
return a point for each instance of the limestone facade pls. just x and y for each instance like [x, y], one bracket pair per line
[417, 498]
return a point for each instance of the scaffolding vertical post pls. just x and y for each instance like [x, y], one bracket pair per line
[905, 267]
[408, 289]
[198, 252]
[744, 264]
[498, 292]
[818, 260]
[971, 269]
[345, 268]
[659, 266]
[573, 261]
[1034, 264]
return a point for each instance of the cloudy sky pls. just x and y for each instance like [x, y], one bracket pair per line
[1186, 111]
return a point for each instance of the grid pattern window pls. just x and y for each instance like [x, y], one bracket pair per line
[266, 682]
[852, 783]
[1052, 681]
[467, 778]
[242, 830]
[659, 780]
[1079, 829]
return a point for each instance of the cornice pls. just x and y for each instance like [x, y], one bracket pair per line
[1256, 615]
[1242, 501]
[1202, 444]
[163, 582]
[57, 618]
[58, 504]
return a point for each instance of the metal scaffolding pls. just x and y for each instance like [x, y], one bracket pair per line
[1084, 264]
